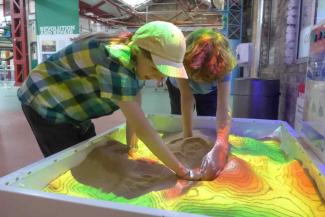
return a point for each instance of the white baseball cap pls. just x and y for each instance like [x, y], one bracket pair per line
[167, 46]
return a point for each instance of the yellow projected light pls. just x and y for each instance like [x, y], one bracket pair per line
[258, 180]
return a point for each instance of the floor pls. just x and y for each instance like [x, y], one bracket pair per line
[18, 146]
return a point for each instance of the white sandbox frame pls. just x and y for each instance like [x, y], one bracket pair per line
[21, 194]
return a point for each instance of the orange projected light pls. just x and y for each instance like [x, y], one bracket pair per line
[258, 180]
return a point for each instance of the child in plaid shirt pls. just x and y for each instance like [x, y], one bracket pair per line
[93, 77]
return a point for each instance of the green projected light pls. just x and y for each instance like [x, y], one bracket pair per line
[257, 181]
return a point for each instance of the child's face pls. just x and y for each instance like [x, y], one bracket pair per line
[146, 69]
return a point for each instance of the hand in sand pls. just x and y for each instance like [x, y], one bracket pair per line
[214, 161]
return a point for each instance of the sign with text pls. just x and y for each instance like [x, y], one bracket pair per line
[57, 30]
[57, 22]
[57, 17]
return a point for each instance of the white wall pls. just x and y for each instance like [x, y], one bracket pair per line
[1, 11]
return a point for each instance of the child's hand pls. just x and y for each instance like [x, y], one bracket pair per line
[192, 175]
[132, 148]
[214, 162]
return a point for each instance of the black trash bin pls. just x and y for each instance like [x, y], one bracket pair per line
[256, 98]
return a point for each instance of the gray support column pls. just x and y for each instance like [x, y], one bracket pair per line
[257, 41]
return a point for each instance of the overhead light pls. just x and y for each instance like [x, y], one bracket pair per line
[89, 14]
[135, 3]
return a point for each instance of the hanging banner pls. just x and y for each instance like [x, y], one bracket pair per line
[57, 22]
[55, 17]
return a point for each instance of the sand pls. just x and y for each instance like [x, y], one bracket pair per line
[110, 169]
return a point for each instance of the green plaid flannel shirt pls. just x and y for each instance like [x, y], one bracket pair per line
[78, 83]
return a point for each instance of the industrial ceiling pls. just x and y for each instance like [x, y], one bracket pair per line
[137, 12]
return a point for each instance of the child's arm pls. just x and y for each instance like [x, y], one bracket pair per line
[223, 113]
[187, 102]
[215, 160]
[131, 137]
[138, 122]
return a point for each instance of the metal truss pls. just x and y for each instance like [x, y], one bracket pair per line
[19, 39]
[234, 19]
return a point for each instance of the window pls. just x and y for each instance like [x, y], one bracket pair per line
[312, 12]
[306, 23]
[320, 11]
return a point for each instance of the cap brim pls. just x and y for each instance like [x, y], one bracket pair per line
[169, 68]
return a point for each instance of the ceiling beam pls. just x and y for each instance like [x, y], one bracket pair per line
[107, 22]
[127, 10]
[96, 6]
[84, 7]
[184, 5]
[176, 15]
[185, 8]
[95, 19]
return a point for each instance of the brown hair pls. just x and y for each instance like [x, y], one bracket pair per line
[208, 55]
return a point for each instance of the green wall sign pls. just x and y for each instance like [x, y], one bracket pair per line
[57, 17]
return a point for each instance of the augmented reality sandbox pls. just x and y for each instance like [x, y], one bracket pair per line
[269, 173]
